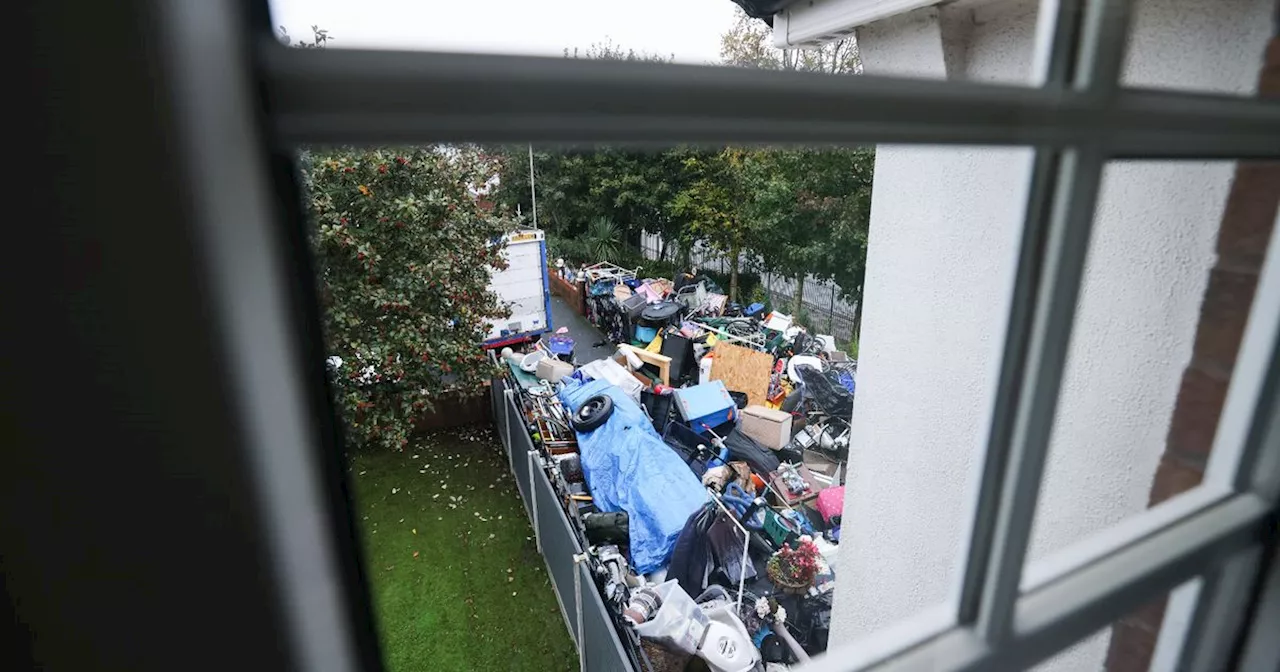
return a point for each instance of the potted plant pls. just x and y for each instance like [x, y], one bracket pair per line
[792, 570]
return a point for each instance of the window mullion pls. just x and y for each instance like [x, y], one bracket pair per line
[327, 96]
[1056, 42]
[1098, 57]
[1261, 647]
[1103, 39]
[1066, 245]
[1218, 613]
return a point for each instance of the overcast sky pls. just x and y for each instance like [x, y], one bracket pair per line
[688, 29]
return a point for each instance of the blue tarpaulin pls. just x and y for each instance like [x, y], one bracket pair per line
[629, 468]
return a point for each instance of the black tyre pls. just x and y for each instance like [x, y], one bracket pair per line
[593, 413]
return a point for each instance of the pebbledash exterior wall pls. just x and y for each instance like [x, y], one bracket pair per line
[1147, 365]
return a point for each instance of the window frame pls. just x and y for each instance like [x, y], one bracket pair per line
[1077, 117]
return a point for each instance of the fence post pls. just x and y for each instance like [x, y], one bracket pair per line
[533, 496]
[831, 312]
[577, 601]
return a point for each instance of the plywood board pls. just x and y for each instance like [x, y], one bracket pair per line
[743, 370]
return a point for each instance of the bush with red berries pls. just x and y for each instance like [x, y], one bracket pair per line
[405, 242]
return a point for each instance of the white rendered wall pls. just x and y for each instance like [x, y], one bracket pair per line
[943, 231]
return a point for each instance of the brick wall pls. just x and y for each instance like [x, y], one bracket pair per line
[573, 293]
[1243, 235]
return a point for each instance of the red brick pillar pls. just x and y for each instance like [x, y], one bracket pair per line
[1243, 235]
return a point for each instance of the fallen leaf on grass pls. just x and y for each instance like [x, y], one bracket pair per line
[415, 554]
[415, 530]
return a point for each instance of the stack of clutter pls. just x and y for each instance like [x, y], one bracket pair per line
[701, 468]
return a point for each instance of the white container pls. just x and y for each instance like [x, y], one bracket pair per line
[704, 370]
[770, 427]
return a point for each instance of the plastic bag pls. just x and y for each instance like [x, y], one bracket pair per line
[678, 623]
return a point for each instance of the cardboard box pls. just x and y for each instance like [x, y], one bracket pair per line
[552, 369]
[770, 427]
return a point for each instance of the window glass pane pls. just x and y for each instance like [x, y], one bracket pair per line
[1186, 45]
[687, 32]
[990, 42]
[1147, 638]
[1169, 281]
[425, 253]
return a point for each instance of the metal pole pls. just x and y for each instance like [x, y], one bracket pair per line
[533, 192]
[746, 543]
[577, 603]
[533, 497]
[506, 427]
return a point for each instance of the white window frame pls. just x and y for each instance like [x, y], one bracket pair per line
[1077, 118]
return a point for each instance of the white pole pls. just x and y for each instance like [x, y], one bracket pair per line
[533, 192]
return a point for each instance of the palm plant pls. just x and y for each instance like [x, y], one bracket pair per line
[602, 239]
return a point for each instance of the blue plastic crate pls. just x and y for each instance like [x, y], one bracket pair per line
[705, 406]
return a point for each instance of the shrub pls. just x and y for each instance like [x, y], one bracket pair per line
[405, 245]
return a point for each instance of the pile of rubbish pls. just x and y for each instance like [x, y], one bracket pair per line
[701, 467]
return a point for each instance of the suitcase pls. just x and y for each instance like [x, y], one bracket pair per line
[680, 350]
[831, 504]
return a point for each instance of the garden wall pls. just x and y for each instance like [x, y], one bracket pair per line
[572, 292]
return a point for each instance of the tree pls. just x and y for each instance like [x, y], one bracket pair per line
[715, 204]
[810, 208]
[404, 241]
[838, 194]
[611, 51]
[811, 211]
[749, 44]
[632, 189]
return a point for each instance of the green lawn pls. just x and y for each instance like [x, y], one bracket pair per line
[457, 581]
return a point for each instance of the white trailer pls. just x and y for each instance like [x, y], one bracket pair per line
[525, 287]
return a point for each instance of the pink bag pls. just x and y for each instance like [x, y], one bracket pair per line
[831, 504]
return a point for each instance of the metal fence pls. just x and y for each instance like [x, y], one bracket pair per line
[826, 312]
[585, 615]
